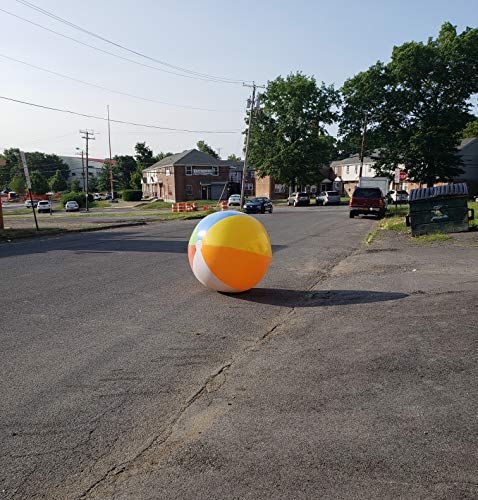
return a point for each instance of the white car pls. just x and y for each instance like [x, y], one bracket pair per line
[28, 203]
[96, 196]
[328, 198]
[43, 206]
[234, 200]
[72, 206]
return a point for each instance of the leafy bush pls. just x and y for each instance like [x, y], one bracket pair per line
[80, 198]
[132, 195]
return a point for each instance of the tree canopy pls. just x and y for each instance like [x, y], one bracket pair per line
[234, 158]
[46, 164]
[471, 129]
[205, 148]
[288, 137]
[416, 106]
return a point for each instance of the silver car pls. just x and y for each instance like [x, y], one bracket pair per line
[298, 198]
[328, 198]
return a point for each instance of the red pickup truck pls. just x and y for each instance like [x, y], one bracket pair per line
[367, 201]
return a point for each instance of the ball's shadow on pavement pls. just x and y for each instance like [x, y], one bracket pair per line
[301, 298]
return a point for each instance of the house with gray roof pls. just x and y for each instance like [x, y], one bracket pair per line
[190, 175]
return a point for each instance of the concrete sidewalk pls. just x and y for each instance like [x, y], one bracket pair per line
[367, 390]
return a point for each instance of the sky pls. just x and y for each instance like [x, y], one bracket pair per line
[242, 41]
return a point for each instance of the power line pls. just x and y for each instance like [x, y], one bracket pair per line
[121, 121]
[112, 90]
[107, 51]
[123, 47]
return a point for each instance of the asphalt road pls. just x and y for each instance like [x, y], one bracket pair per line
[108, 342]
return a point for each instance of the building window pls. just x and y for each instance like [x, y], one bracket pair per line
[215, 170]
[279, 188]
[189, 170]
[356, 169]
[73, 173]
[168, 171]
[347, 169]
[189, 189]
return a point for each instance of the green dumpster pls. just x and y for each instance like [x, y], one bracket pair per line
[440, 209]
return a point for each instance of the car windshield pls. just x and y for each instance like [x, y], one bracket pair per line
[402, 192]
[255, 200]
[43, 202]
[332, 193]
[303, 194]
[367, 193]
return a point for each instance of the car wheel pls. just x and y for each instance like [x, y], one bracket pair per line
[295, 203]
[270, 211]
[352, 215]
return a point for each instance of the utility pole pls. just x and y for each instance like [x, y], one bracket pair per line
[252, 105]
[29, 186]
[88, 135]
[362, 149]
[111, 161]
[1, 215]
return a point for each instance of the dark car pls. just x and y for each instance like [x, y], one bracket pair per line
[258, 205]
[367, 201]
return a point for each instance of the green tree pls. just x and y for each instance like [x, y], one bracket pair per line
[126, 166]
[471, 129]
[144, 156]
[288, 139]
[46, 164]
[161, 155]
[18, 184]
[234, 158]
[418, 105]
[93, 184]
[75, 186]
[205, 148]
[135, 181]
[39, 182]
[58, 182]
[103, 179]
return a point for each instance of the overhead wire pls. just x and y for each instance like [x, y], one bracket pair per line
[123, 47]
[123, 122]
[119, 92]
[107, 51]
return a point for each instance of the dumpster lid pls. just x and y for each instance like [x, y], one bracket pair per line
[447, 190]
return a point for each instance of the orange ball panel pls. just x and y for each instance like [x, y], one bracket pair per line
[236, 268]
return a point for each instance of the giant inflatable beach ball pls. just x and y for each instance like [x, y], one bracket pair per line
[229, 251]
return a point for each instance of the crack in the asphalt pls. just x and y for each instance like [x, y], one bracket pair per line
[208, 386]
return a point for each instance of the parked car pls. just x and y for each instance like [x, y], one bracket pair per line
[399, 196]
[328, 198]
[368, 201]
[43, 206]
[96, 196]
[258, 205]
[234, 200]
[28, 203]
[297, 199]
[72, 206]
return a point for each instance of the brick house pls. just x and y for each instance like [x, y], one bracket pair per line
[190, 175]
[266, 186]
